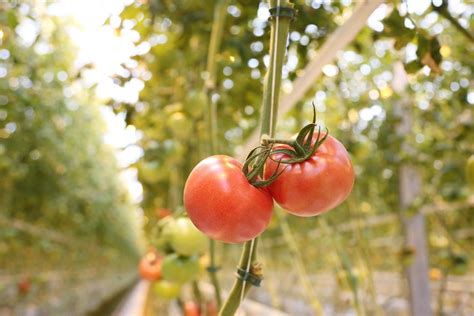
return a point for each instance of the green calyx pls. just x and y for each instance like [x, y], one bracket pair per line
[254, 166]
[298, 150]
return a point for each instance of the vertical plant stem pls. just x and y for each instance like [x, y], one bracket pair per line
[209, 87]
[297, 259]
[213, 273]
[343, 264]
[365, 252]
[197, 294]
[272, 283]
[174, 199]
[278, 38]
[211, 72]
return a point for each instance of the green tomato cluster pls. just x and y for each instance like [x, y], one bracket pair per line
[183, 244]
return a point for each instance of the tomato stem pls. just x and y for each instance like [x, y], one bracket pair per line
[282, 12]
[197, 294]
[212, 270]
[268, 141]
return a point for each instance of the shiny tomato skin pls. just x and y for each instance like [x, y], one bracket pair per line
[150, 267]
[221, 202]
[315, 185]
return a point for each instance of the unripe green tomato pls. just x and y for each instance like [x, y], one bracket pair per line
[180, 269]
[166, 289]
[162, 234]
[185, 238]
[470, 171]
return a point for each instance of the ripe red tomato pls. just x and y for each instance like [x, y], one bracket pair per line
[315, 185]
[24, 286]
[150, 267]
[191, 309]
[223, 204]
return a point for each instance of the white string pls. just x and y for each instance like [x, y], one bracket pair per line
[272, 101]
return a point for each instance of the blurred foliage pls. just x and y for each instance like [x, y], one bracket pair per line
[62, 205]
[358, 99]
[57, 174]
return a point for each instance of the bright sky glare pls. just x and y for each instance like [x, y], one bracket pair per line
[105, 49]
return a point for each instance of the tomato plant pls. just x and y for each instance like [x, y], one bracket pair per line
[166, 289]
[180, 269]
[24, 286]
[150, 267]
[185, 238]
[223, 204]
[315, 185]
[191, 309]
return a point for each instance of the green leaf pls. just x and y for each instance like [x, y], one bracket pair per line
[394, 27]
[413, 66]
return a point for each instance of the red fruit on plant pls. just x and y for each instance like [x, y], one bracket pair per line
[163, 212]
[191, 309]
[150, 267]
[223, 204]
[313, 186]
[211, 308]
[24, 286]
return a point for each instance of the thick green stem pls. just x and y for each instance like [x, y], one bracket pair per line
[272, 83]
[211, 71]
[209, 87]
[267, 141]
[278, 37]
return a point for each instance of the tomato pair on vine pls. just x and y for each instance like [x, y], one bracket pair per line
[306, 176]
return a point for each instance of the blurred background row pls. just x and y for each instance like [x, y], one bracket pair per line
[103, 110]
